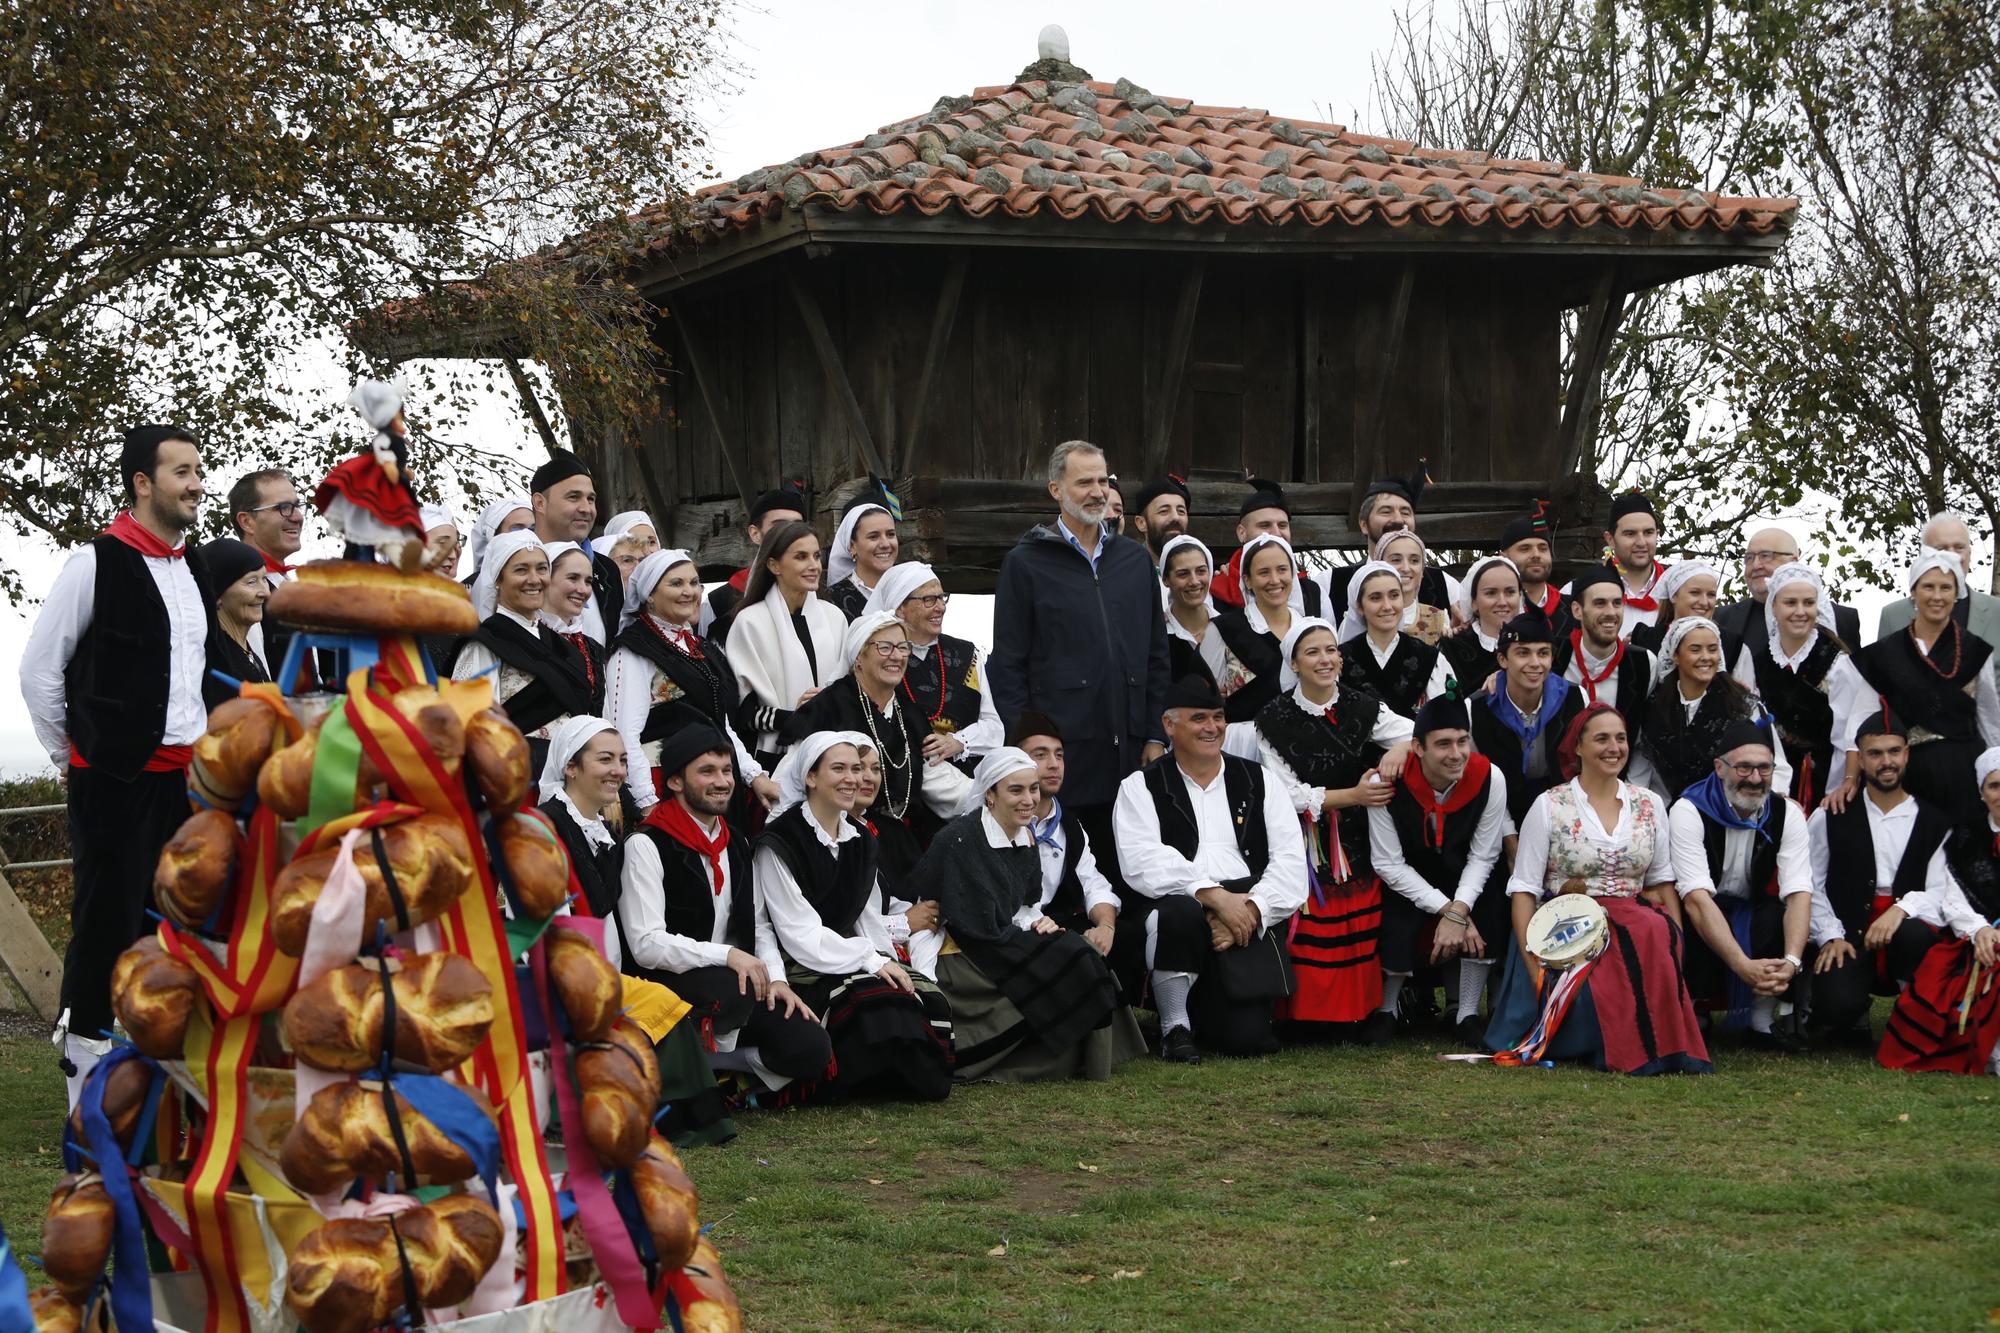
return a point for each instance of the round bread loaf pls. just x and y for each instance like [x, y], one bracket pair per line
[76, 1235]
[498, 753]
[536, 859]
[240, 737]
[444, 1005]
[619, 1080]
[357, 596]
[668, 1202]
[153, 993]
[54, 1312]
[717, 1311]
[124, 1098]
[193, 871]
[428, 856]
[585, 984]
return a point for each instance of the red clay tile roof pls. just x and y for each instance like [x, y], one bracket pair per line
[1119, 153]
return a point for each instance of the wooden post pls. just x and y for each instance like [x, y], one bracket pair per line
[1368, 437]
[835, 369]
[1160, 428]
[693, 355]
[534, 406]
[942, 320]
[25, 952]
[1596, 328]
[1312, 340]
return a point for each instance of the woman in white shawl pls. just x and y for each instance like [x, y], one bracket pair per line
[783, 642]
[865, 547]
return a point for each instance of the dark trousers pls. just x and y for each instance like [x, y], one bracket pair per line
[1222, 1022]
[1841, 996]
[116, 831]
[794, 1046]
[1096, 821]
[1707, 976]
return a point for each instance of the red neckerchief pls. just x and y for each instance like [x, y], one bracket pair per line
[576, 641]
[740, 579]
[671, 818]
[1590, 682]
[1469, 786]
[1551, 600]
[273, 566]
[678, 637]
[1643, 601]
[130, 531]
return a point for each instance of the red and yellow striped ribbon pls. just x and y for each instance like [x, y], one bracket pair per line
[472, 928]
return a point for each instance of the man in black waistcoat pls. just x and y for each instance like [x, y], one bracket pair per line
[1519, 724]
[1436, 846]
[1075, 893]
[1743, 867]
[1882, 895]
[1526, 541]
[1215, 865]
[687, 908]
[1604, 668]
[112, 678]
[565, 503]
[1390, 505]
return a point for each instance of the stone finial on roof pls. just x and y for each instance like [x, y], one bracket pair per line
[1052, 60]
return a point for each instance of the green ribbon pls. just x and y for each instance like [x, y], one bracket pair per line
[335, 769]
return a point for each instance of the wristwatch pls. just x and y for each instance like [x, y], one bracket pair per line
[1798, 964]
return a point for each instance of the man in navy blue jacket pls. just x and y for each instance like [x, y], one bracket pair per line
[1078, 634]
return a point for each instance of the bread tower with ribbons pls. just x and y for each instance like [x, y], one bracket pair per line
[376, 1070]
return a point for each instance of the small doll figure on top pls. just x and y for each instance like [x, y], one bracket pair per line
[367, 499]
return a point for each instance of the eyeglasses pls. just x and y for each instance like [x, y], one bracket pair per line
[1770, 557]
[900, 648]
[1753, 770]
[285, 508]
[931, 601]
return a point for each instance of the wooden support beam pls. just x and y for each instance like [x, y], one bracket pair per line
[835, 369]
[942, 320]
[1596, 329]
[691, 353]
[1368, 431]
[534, 405]
[1166, 403]
[26, 955]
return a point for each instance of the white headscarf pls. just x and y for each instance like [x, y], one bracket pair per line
[1679, 573]
[556, 552]
[437, 516]
[840, 560]
[646, 576]
[620, 524]
[1296, 600]
[490, 519]
[1469, 590]
[1930, 558]
[1682, 626]
[1174, 543]
[865, 627]
[378, 402]
[571, 736]
[896, 586]
[1984, 766]
[792, 769]
[485, 587]
[1783, 577]
[995, 766]
[1353, 623]
[1288, 679]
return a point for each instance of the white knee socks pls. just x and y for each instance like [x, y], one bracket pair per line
[1170, 997]
[1392, 991]
[1472, 974]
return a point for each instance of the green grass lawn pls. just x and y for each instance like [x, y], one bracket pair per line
[1327, 1187]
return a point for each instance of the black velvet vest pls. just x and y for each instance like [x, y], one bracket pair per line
[707, 684]
[1683, 749]
[1323, 753]
[557, 685]
[835, 887]
[1439, 865]
[687, 889]
[1243, 785]
[1763, 854]
[116, 683]
[1850, 863]
[942, 685]
[1917, 690]
[1400, 682]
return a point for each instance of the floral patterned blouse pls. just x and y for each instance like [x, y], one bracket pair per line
[1563, 839]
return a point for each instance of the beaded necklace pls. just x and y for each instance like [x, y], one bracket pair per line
[1957, 650]
[890, 763]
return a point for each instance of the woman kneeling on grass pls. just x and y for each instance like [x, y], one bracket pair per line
[817, 891]
[1601, 835]
[1029, 999]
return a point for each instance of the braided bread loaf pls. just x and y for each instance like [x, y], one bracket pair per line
[345, 1133]
[668, 1201]
[717, 1310]
[124, 1098]
[285, 783]
[538, 863]
[240, 737]
[153, 993]
[497, 753]
[76, 1235]
[54, 1312]
[618, 1080]
[194, 868]
[585, 984]
[443, 1008]
[347, 1276]
[429, 857]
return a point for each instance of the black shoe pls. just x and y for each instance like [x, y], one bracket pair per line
[1376, 1030]
[1778, 1041]
[1470, 1033]
[1177, 1045]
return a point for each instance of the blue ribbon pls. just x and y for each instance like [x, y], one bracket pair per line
[459, 1119]
[131, 1289]
[15, 1316]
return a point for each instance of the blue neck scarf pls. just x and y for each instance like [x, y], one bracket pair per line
[1554, 690]
[1711, 798]
[1046, 830]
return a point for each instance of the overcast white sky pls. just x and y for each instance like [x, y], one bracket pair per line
[810, 75]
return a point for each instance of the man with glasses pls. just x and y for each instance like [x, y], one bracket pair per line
[1743, 867]
[1769, 548]
[266, 513]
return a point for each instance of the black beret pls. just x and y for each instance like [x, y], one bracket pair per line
[1263, 495]
[1031, 723]
[560, 468]
[1442, 714]
[1153, 490]
[1531, 626]
[1632, 502]
[1742, 732]
[688, 744]
[1881, 722]
[784, 497]
[225, 560]
[1526, 526]
[1192, 691]
[1593, 576]
[1410, 488]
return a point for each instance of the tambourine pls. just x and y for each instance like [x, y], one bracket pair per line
[1568, 929]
